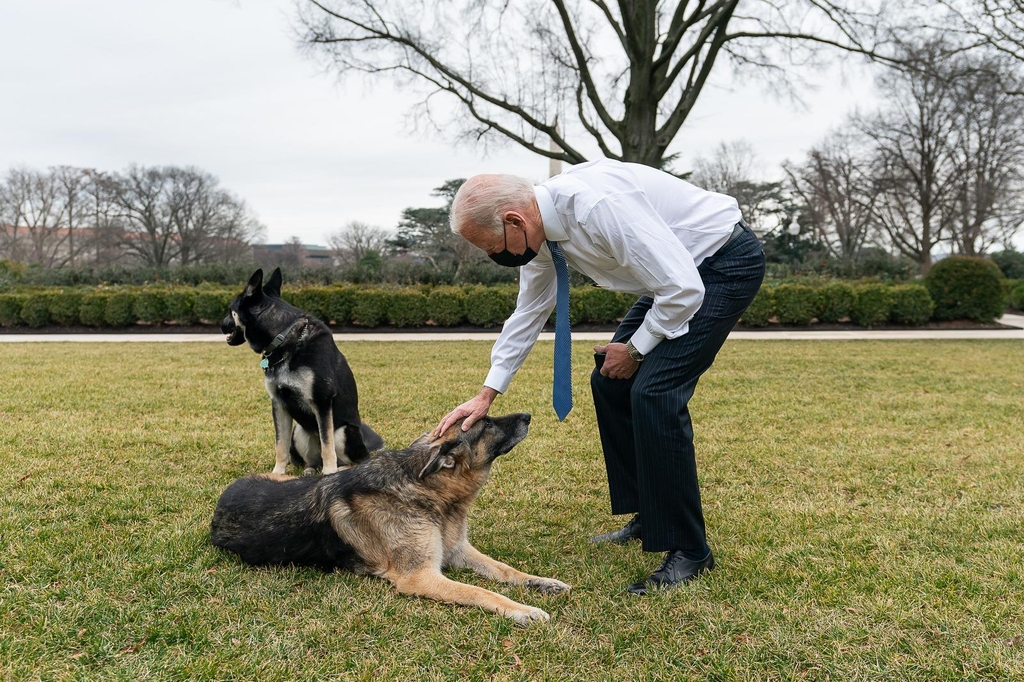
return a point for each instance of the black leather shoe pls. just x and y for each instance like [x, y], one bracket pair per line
[631, 531]
[675, 570]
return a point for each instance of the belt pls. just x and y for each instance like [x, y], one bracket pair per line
[738, 230]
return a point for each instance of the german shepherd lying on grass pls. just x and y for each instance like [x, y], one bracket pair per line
[400, 515]
[307, 377]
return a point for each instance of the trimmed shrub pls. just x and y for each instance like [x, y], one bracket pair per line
[872, 304]
[64, 308]
[407, 308]
[446, 306]
[966, 287]
[1017, 296]
[338, 302]
[211, 307]
[835, 301]
[35, 310]
[313, 300]
[10, 309]
[911, 304]
[120, 310]
[150, 306]
[601, 306]
[489, 306]
[761, 308]
[181, 306]
[627, 301]
[93, 309]
[795, 304]
[369, 307]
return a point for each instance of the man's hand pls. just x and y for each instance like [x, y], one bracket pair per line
[617, 363]
[473, 409]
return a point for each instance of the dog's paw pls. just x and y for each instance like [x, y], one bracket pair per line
[329, 469]
[526, 615]
[548, 585]
[279, 469]
[309, 471]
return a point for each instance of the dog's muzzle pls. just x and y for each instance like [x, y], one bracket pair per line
[233, 334]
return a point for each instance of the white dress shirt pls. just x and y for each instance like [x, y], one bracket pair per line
[630, 228]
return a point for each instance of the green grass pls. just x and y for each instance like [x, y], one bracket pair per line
[863, 500]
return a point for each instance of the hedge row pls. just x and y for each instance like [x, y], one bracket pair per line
[443, 306]
[957, 287]
[868, 305]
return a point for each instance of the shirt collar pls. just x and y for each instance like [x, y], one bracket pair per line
[553, 229]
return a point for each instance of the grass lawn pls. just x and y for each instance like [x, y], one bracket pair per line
[863, 500]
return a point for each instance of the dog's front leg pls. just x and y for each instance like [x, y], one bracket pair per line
[468, 556]
[429, 582]
[325, 422]
[282, 435]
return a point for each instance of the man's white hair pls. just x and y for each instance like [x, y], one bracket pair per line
[483, 200]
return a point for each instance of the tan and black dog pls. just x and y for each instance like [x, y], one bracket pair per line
[400, 515]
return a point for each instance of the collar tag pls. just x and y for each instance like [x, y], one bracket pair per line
[264, 363]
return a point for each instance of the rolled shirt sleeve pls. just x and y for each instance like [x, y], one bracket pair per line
[537, 287]
[639, 241]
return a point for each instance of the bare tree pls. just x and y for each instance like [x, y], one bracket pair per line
[731, 165]
[353, 241]
[210, 223]
[179, 215]
[835, 187]
[735, 169]
[12, 246]
[105, 243]
[988, 199]
[912, 156]
[291, 257]
[142, 197]
[34, 206]
[237, 230]
[621, 78]
[993, 24]
[74, 183]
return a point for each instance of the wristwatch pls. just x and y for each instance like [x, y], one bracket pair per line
[633, 352]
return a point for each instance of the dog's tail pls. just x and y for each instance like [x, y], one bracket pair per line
[361, 441]
[296, 457]
[371, 439]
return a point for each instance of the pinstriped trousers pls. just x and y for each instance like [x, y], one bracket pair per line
[644, 421]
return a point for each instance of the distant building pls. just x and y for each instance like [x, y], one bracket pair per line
[293, 254]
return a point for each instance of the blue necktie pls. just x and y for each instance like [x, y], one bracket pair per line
[561, 393]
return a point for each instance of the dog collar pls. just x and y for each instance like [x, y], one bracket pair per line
[277, 342]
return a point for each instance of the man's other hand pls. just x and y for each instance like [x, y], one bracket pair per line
[617, 363]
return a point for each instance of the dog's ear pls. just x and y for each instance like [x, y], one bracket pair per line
[255, 285]
[273, 285]
[441, 457]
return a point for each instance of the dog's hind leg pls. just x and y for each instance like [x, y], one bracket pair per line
[282, 436]
[467, 556]
[429, 582]
[307, 446]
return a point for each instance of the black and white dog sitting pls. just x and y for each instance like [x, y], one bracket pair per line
[308, 379]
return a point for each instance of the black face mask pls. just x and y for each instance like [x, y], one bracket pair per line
[509, 259]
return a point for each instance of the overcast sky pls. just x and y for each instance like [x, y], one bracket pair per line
[221, 85]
